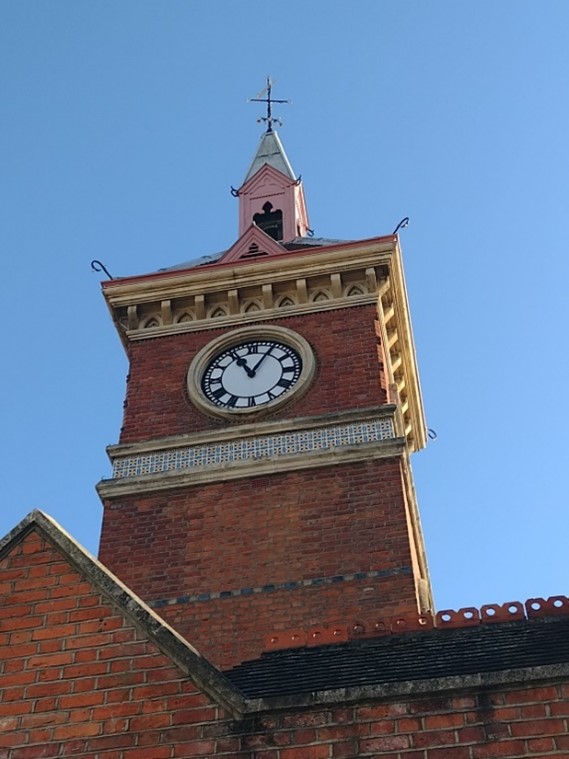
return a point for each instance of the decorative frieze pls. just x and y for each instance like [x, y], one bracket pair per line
[253, 449]
[265, 301]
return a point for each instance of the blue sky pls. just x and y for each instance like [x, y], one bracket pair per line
[123, 126]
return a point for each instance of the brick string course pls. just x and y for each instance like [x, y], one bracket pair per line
[80, 681]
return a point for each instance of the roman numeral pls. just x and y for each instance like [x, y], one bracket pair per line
[283, 382]
[251, 402]
[219, 393]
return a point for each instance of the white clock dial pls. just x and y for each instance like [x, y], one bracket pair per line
[251, 374]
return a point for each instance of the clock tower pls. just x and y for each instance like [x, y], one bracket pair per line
[261, 483]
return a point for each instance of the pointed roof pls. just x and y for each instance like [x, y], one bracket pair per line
[271, 152]
[253, 244]
[205, 676]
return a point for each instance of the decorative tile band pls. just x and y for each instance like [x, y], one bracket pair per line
[272, 587]
[254, 449]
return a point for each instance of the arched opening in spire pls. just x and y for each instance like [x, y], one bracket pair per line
[270, 221]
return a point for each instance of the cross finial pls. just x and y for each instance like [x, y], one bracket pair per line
[269, 119]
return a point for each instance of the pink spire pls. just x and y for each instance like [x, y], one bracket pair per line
[271, 196]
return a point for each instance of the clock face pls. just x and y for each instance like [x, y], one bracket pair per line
[250, 374]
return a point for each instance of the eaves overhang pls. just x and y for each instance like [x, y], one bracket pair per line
[408, 689]
[120, 282]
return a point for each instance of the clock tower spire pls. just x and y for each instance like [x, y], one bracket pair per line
[271, 196]
[262, 481]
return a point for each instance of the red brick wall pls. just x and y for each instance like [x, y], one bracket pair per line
[273, 530]
[527, 722]
[78, 680]
[348, 374]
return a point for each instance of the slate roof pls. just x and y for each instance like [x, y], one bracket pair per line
[298, 243]
[406, 657]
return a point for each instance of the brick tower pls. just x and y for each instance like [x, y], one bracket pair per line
[262, 481]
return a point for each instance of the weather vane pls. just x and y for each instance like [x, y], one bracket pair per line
[269, 119]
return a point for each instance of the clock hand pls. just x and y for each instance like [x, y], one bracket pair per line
[260, 361]
[241, 362]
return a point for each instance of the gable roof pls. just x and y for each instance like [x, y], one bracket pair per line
[205, 676]
[254, 243]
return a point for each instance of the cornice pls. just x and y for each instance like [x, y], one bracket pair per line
[507, 678]
[219, 277]
[373, 244]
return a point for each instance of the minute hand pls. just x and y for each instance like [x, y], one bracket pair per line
[260, 361]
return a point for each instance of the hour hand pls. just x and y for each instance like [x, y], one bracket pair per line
[241, 362]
